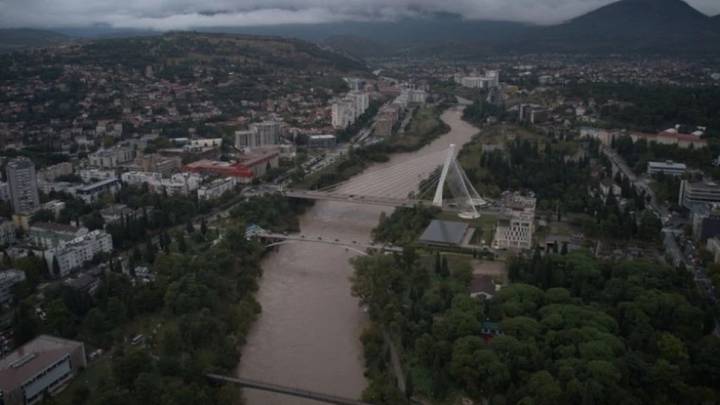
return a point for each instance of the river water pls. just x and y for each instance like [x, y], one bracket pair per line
[308, 333]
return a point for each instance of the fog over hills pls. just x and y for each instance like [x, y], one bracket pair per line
[645, 26]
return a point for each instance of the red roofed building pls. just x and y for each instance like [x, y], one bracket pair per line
[672, 137]
[247, 168]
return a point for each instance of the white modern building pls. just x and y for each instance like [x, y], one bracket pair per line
[491, 79]
[78, 251]
[347, 109]
[177, 184]
[516, 225]
[217, 188]
[111, 158]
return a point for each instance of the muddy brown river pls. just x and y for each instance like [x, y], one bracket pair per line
[308, 333]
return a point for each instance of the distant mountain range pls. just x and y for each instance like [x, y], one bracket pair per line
[627, 26]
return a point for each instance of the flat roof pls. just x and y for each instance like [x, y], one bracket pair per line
[32, 358]
[444, 232]
[668, 165]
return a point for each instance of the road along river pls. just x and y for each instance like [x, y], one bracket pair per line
[308, 333]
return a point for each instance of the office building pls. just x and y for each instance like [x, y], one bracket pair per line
[22, 180]
[516, 224]
[668, 167]
[698, 193]
[41, 367]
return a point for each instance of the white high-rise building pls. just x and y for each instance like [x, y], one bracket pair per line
[22, 180]
[343, 113]
[266, 133]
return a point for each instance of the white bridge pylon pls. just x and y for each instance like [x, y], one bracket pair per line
[463, 192]
[409, 182]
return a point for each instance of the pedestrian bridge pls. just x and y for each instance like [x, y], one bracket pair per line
[280, 389]
[278, 239]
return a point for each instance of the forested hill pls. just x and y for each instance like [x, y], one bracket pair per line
[14, 39]
[258, 52]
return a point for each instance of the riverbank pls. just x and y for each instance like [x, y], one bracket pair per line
[308, 334]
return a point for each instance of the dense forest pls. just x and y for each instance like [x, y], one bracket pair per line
[653, 108]
[575, 330]
[194, 314]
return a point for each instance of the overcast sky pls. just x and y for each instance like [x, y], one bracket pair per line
[183, 14]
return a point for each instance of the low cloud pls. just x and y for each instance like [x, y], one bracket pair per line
[183, 14]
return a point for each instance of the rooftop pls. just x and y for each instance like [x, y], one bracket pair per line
[444, 232]
[32, 358]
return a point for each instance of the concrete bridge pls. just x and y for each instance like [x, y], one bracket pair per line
[280, 389]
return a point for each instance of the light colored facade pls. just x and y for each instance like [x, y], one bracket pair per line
[79, 251]
[516, 226]
[46, 235]
[92, 175]
[51, 173]
[343, 114]
[41, 367]
[8, 280]
[322, 141]
[22, 180]
[177, 184]
[346, 110]
[111, 158]
[670, 168]
[217, 188]
[157, 163]
[700, 193]
[180, 184]
[261, 134]
[490, 80]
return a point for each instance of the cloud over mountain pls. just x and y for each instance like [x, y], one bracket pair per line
[184, 14]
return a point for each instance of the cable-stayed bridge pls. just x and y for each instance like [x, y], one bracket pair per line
[442, 183]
